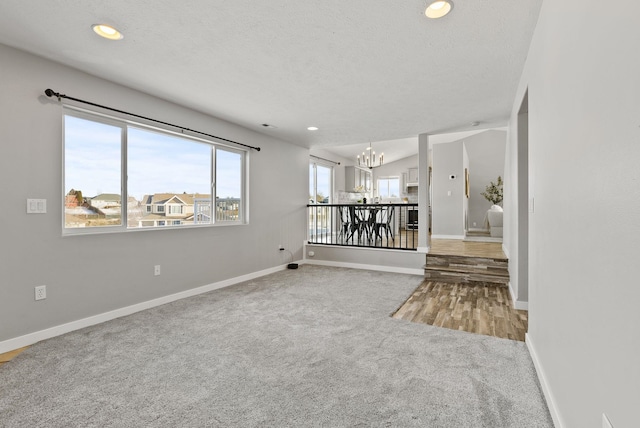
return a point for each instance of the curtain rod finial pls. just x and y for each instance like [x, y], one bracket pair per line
[50, 93]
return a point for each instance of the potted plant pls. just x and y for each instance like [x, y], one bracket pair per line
[494, 193]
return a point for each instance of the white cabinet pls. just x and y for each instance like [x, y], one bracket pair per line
[412, 176]
[355, 177]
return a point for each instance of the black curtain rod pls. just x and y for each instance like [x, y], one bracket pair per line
[51, 93]
[328, 160]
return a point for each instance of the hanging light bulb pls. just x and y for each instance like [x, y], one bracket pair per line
[369, 159]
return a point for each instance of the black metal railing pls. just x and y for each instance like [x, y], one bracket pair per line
[393, 226]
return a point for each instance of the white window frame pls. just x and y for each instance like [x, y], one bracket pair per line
[123, 124]
[391, 177]
[243, 207]
[315, 163]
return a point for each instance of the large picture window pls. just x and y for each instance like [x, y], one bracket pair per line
[170, 180]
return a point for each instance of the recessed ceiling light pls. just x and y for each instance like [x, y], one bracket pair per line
[312, 128]
[107, 31]
[438, 9]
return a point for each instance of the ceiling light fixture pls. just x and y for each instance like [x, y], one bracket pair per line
[438, 9]
[107, 31]
[312, 128]
[369, 159]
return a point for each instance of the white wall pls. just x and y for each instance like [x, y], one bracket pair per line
[448, 210]
[486, 162]
[338, 170]
[584, 142]
[396, 169]
[89, 275]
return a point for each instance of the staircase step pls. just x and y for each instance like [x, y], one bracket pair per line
[491, 271]
[466, 260]
[464, 277]
[478, 233]
[471, 262]
[463, 269]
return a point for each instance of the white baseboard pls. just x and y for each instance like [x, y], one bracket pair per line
[478, 229]
[447, 237]
[31, 338]
[504, 250]
[546, 390]
[521, 306]
[517, 304]
[390, 269]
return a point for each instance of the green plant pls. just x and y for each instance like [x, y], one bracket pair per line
[494, 192]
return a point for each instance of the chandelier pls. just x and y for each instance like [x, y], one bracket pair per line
[369, 158]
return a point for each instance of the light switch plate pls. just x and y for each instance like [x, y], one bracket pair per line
[36, 206]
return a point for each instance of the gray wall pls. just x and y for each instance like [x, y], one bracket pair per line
[448, 210]
[486, 152]
[584, 143]
[465, 200]
[89, 275]
[368, 258]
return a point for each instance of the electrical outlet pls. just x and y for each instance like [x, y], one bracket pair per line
[41, 292]
[156, 270]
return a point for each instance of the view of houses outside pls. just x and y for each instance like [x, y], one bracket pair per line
[158, 164]
[160, 209]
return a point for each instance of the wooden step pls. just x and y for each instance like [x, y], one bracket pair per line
[463, 269]
[500, 272]
[457, 277]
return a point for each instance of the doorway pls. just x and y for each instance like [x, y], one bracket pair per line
[524, 202]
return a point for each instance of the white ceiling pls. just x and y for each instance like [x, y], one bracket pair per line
[401, 148]
[359, 70]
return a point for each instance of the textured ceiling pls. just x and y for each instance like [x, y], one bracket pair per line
[359, 70]
[401, 148]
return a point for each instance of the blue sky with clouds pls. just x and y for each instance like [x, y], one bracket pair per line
[157, 163]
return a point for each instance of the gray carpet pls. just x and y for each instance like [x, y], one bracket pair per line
[307, 347]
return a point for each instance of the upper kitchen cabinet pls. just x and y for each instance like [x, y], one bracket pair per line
[412, 177]
[355, 177]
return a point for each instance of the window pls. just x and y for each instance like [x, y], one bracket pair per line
[228, 186]
[175, 209]
[389, 187]
[93, 166]
[169, 179]
[320, 183]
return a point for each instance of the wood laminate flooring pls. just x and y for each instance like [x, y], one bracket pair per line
[458, 247]
[8, 356]
[475, 308]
